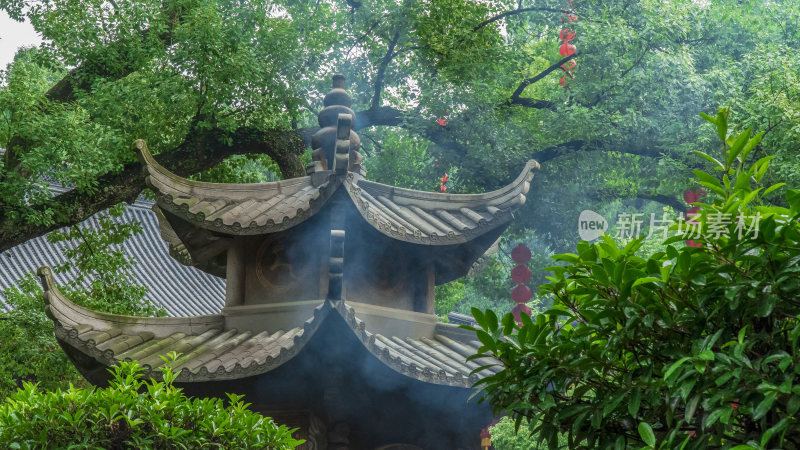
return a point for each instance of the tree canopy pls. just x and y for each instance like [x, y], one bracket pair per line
[234, 86]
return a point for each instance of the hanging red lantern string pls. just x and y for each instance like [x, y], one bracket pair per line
[521, 293]
[566, 48]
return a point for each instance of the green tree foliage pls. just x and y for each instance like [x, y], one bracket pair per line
[102, 280]
[505, 437]
[692, 348]
[490, 284]
[203, 81]
[133, 413]
[99, 262]
[28, 347]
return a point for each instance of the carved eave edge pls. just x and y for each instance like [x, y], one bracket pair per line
[299, 340]
[229, 208]
[82, 329]
[437, 218]
[402, 363]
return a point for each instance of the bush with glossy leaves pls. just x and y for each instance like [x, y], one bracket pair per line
[694, 347]
[133, 413]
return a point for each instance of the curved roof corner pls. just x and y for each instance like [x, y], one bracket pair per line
[236, 209]
[436, 218]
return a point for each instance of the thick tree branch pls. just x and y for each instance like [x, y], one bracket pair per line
[205, 150]
[570, 147]
[529, 81]
[384, 116]
[531, 103]
[518, 11]
[673, 202]
[379, 77]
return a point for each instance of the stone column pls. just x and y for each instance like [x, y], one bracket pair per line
[235, 274]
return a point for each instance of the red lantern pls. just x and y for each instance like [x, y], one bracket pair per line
[567, 35]
[693, 196]
[566, 49]
[521, 293]
[518, 310]
[569, 65]
[521, 274]
[521, 254]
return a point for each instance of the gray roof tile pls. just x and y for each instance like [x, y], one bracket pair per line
[191, 292]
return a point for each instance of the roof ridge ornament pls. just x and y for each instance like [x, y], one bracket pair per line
[335, 146]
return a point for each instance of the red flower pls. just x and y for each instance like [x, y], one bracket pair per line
[442, 121]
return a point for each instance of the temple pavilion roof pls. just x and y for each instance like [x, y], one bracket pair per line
[209, 352]
[420, 217]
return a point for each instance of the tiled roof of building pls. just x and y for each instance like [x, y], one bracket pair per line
[190, 292]
[437, 218]
[251, 208]
[428, 218]
[211, 352]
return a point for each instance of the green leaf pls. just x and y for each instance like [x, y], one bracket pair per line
[722, 123]
[764, 406]
[635, 402]
[751, 144]
[793, 405]
[646, 432]
[767, 304]
[709, 158]
[709, 181]
[772, 188]
[738, 145]
[708, 118]
[645, 280]
[691, 408]
[712, 418]
[793, 198]
[706, 355]
[675, 366]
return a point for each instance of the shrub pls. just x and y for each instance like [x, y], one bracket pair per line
[694, 347]
[28, 347]
[133, 413]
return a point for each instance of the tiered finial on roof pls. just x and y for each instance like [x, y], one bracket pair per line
[324, 142]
